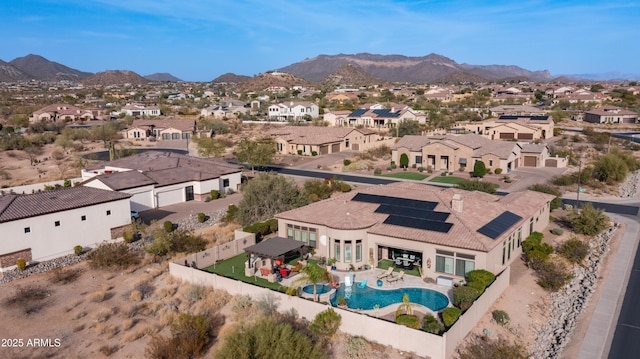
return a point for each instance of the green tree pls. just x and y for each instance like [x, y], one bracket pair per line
[407, 127]
[550, 189]
[317, 190]
[190, 337]
[107, 133]
[614, 167]
[208, 146]
[256, 152]
[310, 274]
[589, 220]
[479, 169]
[476, 185]
[267, 195]
[326, 323]
[404, 160]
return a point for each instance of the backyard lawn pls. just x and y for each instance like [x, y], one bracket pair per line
[446, 179]
[234, 268]
[406, 175]
[386, 263]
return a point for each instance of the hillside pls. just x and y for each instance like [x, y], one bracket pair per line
[275, 79]
[115, 77]
[9, 73]
[231, 78]
[39, 68]
[350, 75]
[399, 68]
[162, 77]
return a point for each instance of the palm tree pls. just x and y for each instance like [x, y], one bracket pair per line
[406, 306]
[310, 273]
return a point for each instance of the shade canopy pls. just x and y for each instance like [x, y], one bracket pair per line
[276, 247]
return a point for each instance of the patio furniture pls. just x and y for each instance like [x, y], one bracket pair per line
[284, 272]
[386, 274]
[398, 261]
[265, 271]
[395, 279]
[362, 284]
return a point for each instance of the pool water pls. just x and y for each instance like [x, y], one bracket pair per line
[320, 288]
[367, 298]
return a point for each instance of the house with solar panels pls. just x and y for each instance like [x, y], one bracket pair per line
[380, 117]
[446, 232]
[307, 140]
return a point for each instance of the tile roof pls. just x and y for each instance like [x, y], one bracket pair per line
[119, 181]
[19, 206]
[341, 212]
[182, 125]
[313, 135]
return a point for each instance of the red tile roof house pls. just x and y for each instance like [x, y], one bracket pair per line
[610, 114]
[448, 231]
[47, 225]
[324, 140]
[62, 112]
[168, 129]
[156, 179]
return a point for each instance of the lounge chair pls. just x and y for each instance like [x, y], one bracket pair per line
[395, 279]
[386, 274]
[362, 284]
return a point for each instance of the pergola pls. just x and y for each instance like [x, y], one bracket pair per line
[274, 248]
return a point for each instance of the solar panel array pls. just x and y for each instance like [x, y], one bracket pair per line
[499, 225]
[532, 118]
[384, 112]
[407, 212]
[359, 112]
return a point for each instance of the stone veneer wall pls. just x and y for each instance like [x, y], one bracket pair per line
[9, 259]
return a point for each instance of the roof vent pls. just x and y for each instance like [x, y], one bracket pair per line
[456, 203]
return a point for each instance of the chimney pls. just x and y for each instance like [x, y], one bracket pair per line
[456, 203]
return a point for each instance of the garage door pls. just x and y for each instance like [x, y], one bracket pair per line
[169, 197]
[525, 136]
[507, 136]
[324, 149]
[552, 162]
[530, 161]
[335, 148]
[355, 147]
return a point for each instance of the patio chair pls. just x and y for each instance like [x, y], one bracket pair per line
[362, 284]
[398, 261]
[395, 279]
[386, 274]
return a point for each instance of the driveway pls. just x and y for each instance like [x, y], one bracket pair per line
[178, 211]
[527, 176]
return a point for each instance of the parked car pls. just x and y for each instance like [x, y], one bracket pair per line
[135, 215]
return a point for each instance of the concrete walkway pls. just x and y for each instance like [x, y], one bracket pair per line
[602, 325]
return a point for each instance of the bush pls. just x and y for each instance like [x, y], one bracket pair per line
[168, 226]
[550, 189]
[393, 165]
[464, 294]
[501, 317]
[498, 170]
[431, 324]
[21, 264]
[342, 302]
[214, 194]
[480, 275]
[479, 169]
[421, 169]
[201, 217]
[532, 241]
[112, 256]
[64, 275]
[346, 162]
[481, 347]
[314, 153]
[553, 275]
[450, 315]
[589, 220]
[404, 160]
[190, 337]
[574, 250]
[410, 321]
[476, 185]
[230, 216]
[557, 231]
[377, 171]
[77, 250]
[479, 286]
[300, 152]
[325, 324]
[128, 236]
[345, 187]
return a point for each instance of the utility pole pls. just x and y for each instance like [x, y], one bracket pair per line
[579, 175]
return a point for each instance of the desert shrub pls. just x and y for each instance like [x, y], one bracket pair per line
[107, 350]
[168, 226]
[314, 153]
[589, 220]
[30, 298]
[300, 152]
[21, 264]
[501, 317]
[420, 169]
[214, 194]
[481, 347]
[77, 250]
[346, 162]
[345, 187]
[230, 216]
[410, 321]
[325, 324]
[464, 294]
[550, 189]
[480, 275]
[112, 256]
[573, 250]
[268, 338]
[64, 275]
[476, 185]
[202, 217]
[431, 324]
[179, 241]
[393, 165]
[498, 170]
[190, 337]
[557, 231]
[261, 229]
[553, 275]
[536, 258]
[477, 285]
[450, 315]
[128, 236]
[377, 171]
[532, 241]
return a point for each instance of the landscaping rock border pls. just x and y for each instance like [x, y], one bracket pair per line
[629, 188]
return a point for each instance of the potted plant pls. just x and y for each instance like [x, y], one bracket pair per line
[333, 263]
[342, 303]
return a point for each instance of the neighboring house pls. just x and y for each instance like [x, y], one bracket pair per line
[380, 117]
[157, 179]
[138, 110]
[293, 111]
[513, 127]
[63, 112]
[307, 140]
[336, 118]
[446, 232]
[47, 225]
[610, 114]
[516, 110]
[169, 129]
[451, 153]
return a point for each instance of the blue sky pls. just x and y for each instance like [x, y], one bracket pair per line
[200, 40]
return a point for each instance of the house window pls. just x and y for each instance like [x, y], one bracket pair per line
[312, 237]
[531, 226]
[304, 231]
[303, 234]
[490, 163]
[225, 183]
[165, 136]
[504, 252]
[346, 143]
[289, 231]
[188, 193]
[418, 159]
[347, 251]
[444, 264]
[519, 237]
[175, 136]
[464, 266]
[83, 218]
[56, 223]
[108, 212]
[27, 229]
[186, 136]
[359, 251]
[336, 252]
[454, 263]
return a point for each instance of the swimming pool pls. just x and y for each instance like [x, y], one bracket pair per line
[320, 288]
[367, 298]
